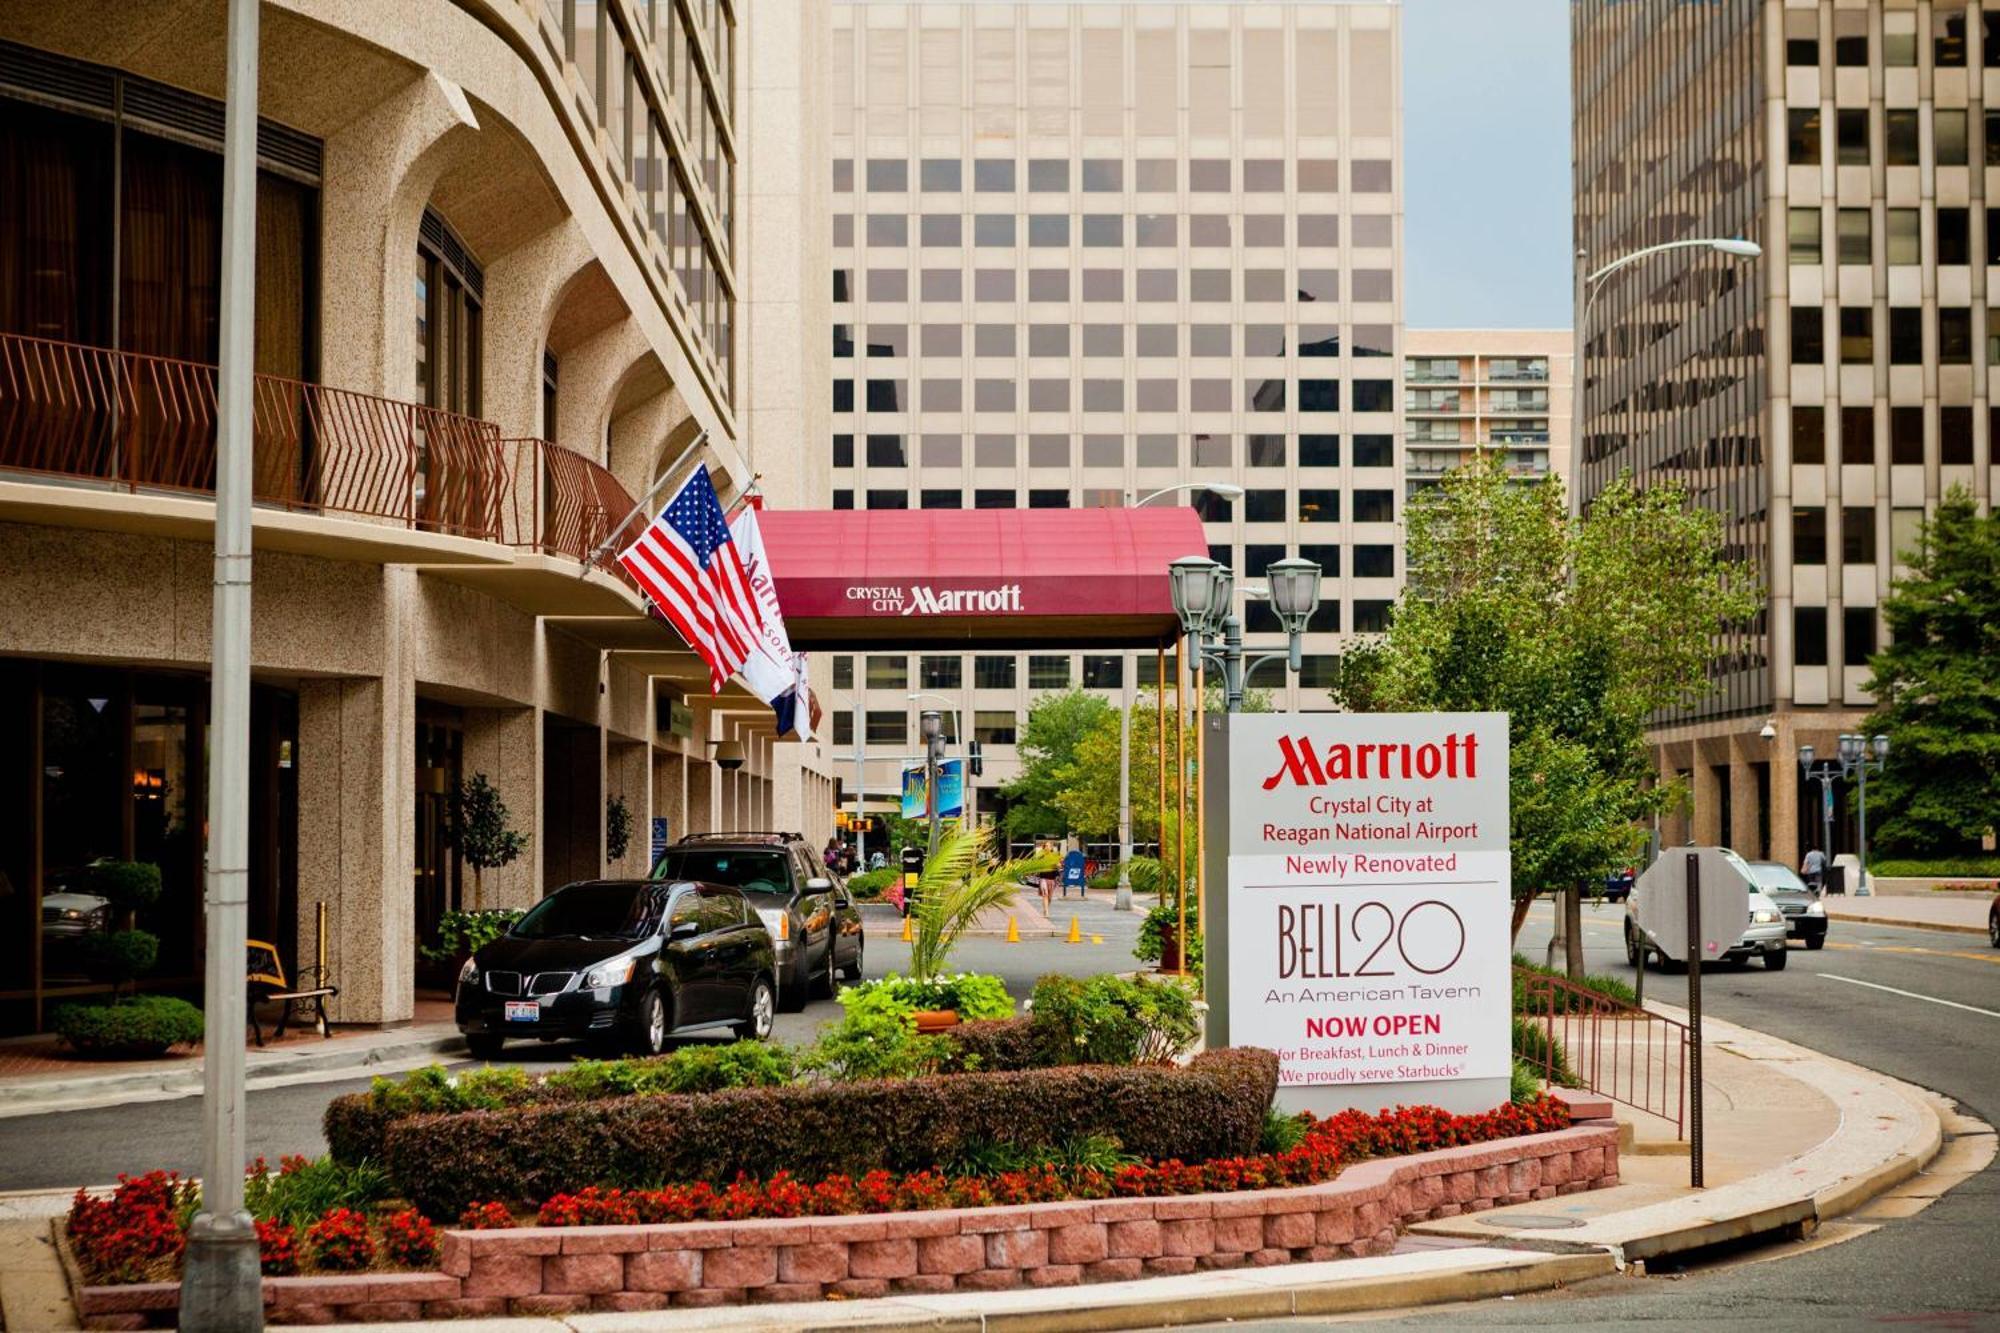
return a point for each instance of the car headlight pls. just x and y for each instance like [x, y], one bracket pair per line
[72, 914]
[774, 921]
[615, 973]
[469, 974]
[1815, 909]
[1764, 916]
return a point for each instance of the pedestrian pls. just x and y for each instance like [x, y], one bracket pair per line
[1814, 869]
[833, 856]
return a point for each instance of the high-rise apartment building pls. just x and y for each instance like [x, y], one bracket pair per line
[1086, 252]
[1470, 393]
[1822, 397]
[505, 278]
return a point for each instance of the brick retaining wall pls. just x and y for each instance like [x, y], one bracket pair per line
[559, 1270]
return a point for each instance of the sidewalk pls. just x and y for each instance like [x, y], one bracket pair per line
[1965, 913]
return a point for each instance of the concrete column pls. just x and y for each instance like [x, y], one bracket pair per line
[506, 745]
[627, 774]
[1743, 809]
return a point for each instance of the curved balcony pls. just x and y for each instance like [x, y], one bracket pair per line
[129, 441]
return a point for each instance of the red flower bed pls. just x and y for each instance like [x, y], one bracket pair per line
[486, 1217]
[409, 1240]
[137, 1231]
[1329, 1145]
[340, 1241]
[277, 1248]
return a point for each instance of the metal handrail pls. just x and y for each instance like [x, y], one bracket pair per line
[140, 422]
[566, 504]
[1622, 1051]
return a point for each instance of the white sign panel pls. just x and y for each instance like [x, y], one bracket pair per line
[1368, 895]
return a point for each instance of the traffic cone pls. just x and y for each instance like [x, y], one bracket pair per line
[1013, 931]
[1075, 931]
[907, 936]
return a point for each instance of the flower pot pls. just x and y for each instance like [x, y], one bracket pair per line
[936, 1020]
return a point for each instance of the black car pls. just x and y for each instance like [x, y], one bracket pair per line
[1805, 914]
[814, 924]
[623, 962]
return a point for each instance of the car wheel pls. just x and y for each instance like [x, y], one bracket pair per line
[484, 1045]
[1775, 959]
[853, 970]
[1993, 928]
[755, 1025]
[1815, 941]
[654, 1024]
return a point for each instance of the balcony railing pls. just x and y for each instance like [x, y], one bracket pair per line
[565, 505]
[148, 423]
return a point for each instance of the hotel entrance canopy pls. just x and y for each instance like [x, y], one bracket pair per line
[886, 579]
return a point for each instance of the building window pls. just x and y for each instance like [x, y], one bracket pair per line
[1374, 562]
[985, 498]
[888, 728]
[994, 727]
[1103, 672]
[1857, 435]
[1371, 615]
[1048, 673]
[1948, 35]
[1852, 127]
[941, 175]
[843, 395]
[1048, 498]
[1955, 435]
[1801, 37]
[1322, 396]
[887, 174]
[1948, 138]
[449, 287]
[1802, 137]
[888, 499]
[1906, 336]
[1857, 337]
[1954, 236]
[887, 451]
[1802, 235]
[1264, 506]
[1857, 635]
[843, 727]
[1809, 435]
[888, 673]
[1319, 505]
[940, 673]
[1374, 506]
[1904, 240]
[1374, 451]
[1899, 137]
[843, 499]
[1326, 557]
[1857, 535]
[1906, 435]
[1852, 232]
[1808, 336]
[993, 673]
[1808, 535]
[1809, 636]
[943, 498]
[1954, 336]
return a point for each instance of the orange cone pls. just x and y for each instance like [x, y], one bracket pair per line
[907, 936]
[1075, 931]
[1013, 931]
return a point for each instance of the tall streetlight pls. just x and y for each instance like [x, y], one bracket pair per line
[1122, 901]
[930, 726]
[1587, 287]
[1853, 757]
[957, 735]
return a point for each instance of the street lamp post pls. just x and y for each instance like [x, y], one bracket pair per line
[931, 726]
[1854, 756]
[1587, 287]
[1122, 901]
[958, 736]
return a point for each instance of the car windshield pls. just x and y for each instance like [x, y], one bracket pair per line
[594, 912]
[1770, 875]
[758, 872]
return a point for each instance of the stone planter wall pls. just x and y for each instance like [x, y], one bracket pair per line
[552, 1270]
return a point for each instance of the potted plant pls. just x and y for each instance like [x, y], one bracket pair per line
[955, 887]
[478, 828]
[462, 934]
[131, 886]
[617, 829]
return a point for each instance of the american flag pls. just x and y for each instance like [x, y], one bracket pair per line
[687, 563]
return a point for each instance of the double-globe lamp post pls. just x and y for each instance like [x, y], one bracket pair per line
[1854, 755]
[1204, 600]
[1122, 902]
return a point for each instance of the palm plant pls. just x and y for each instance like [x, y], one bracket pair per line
[955, 888]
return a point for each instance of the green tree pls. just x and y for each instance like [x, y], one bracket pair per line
[1057, 724]
[1936, 690]
[479, 829]
[1578, 630]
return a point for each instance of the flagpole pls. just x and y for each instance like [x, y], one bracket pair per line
[643, 505]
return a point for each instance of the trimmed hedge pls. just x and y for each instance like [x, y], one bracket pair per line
[998, 1045]
[1214, 1107]
[145, 1025]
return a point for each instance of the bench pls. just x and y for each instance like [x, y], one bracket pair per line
[264, 973]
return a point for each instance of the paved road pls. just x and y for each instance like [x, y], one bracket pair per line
[1920, 1005]
[73, 1148]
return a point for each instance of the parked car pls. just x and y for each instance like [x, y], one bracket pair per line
[1763, 933]
[814, 924]
[68, 915]
[1993, 922]
[1805, 914]
[623, 963]
[1618, 884]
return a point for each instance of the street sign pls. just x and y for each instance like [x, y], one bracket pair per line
[1368, 906]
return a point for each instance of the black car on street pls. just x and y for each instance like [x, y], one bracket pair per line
[813, 922]
[623, 963]
[1805, 914]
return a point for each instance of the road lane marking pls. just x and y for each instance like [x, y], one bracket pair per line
[1932, 999]
[1991, 958]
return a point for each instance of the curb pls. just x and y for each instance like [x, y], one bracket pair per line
[1908, 925]
[44, 1096]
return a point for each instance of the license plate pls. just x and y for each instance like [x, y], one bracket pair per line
[523, 1011]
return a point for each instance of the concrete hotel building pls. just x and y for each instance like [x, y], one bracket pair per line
[1470, 392]
[1822, 397]
[1082, 252]
[509, 266]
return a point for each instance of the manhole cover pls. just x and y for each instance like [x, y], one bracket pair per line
[1532, 1222]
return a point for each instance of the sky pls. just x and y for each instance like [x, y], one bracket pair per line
[1486, 223]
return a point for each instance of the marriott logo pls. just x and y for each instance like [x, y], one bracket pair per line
[1302, 765]
[928, 601]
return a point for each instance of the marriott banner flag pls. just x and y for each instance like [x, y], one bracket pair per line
[775, 673]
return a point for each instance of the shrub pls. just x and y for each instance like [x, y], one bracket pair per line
[340, 1242]
[306, 1189]
[997, 1044]
[705, 1068]
[142, 1026]
[972, 995]
[130, 885]
[1537, 1048]
[277, 1248]
[1282, 1132]
[409, 1239]
[462, 933]
[1109, 1020]
[1213, 1107]
[119, 957]
[878, 1039]
[1163, 919]
[1524, 1083]
[135, 1232]
[1567, 1002]
[1936, 867]
[486, 1217]
[870, 884]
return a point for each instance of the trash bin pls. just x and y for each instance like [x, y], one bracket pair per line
[913, 869]
[1836, 879]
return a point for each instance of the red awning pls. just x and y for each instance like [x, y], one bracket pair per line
[1017, 578]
